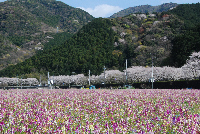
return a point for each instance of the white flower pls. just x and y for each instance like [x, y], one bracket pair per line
[23, 128]
[91, 127]
[128, 118]
[63, 130]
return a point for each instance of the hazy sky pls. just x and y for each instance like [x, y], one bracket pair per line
[106, 8]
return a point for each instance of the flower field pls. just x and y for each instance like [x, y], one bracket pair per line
[100, 111]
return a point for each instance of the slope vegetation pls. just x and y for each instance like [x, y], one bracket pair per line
[136, 37]
[91, 48]
[29, 24]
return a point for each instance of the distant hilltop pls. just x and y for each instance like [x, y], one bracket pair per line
[145, 9]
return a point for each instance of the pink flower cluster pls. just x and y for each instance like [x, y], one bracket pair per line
[100, 111]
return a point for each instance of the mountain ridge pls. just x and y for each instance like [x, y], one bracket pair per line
[144, 9]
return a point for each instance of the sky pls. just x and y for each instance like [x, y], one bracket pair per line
[106, 8]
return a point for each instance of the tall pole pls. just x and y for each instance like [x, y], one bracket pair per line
[126, 71]
[152, 73]
[89, 77]
[17, 81]
[21, 83]
[40, 80]
[53, 82]
[104, 76]
[48, 78]
[49, 82]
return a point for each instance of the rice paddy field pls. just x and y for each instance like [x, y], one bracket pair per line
[144, 111]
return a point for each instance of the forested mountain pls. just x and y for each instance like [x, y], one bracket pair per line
[144, 9]
[106, 42]
[27, 25]
[184, 45]
[189, 41]
[91, 48]
[144, 36]
[136, 37]
[189, 13]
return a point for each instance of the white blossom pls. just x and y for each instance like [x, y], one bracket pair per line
[134, 74]
[18, 81]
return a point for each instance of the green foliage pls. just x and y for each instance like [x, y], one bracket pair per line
[189, 13]
[91, 48]
[143, 33]
[184, 45]
[58, 39]
[188, 41]
[25, 18]
[27, 24]
[4, 46]
[19, 40]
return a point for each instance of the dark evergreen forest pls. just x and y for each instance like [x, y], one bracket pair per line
[189, 41]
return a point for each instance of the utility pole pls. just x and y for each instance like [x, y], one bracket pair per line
[17, 81]
[89, 77]
[152, 80]
[104, 76]
[40, 80]
[48, 79]
[126, 71]
[21, 82]
[49, 82]
[53, 82]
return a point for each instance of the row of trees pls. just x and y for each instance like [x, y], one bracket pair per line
[134, 74]
[18, 82]
[191, 70]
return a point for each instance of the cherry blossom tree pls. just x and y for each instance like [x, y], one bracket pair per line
[17, 81]
[192, 66]
[189, 71]
[79, 79]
